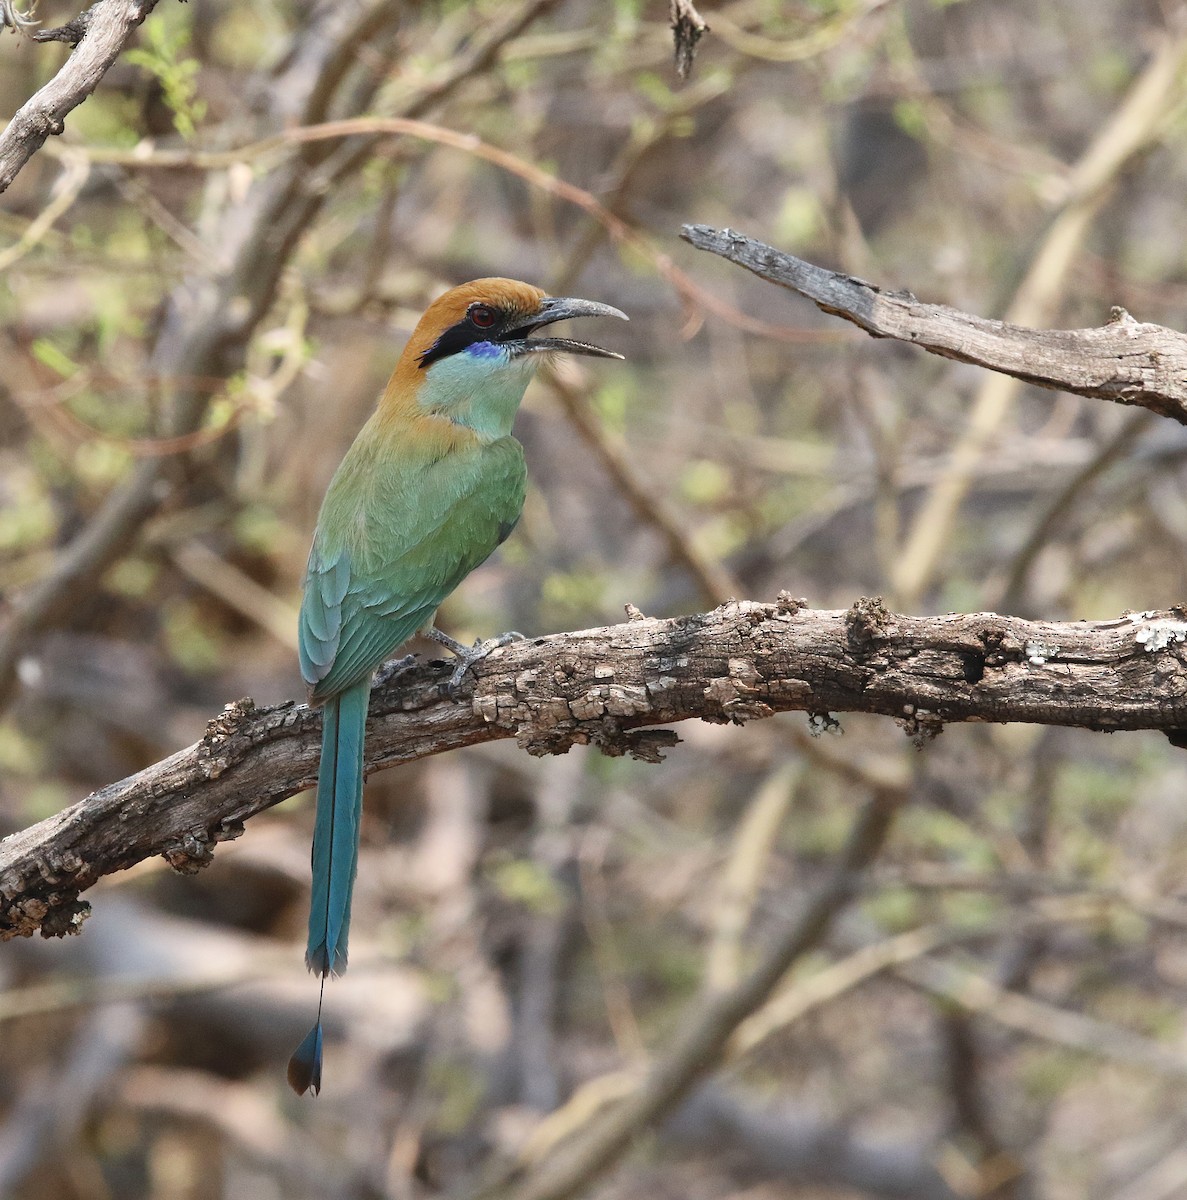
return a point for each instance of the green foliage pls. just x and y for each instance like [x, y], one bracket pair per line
[108, 120]
[527, 883]
[100, 463]
[612, 402]
[935, 835]
[573, 596]
[247, 37]
[19, 753]
[627, 14]
[666, 969]
[26, 512]
[895, 909]
[1047, 1072]
[1093, 793]
[44, 798]
[705, 482]
[259, 528]
[189, 637]
[54, 357]
[161, 56]
[456, 1090]
[910, 118]
[133, 577]
[800, 218]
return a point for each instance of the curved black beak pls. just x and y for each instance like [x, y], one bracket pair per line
[560, 308]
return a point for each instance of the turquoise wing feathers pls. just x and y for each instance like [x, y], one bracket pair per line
[376, 576]
[379, 567]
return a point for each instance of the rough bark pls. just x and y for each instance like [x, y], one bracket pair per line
[606, 686]
[1126, 361]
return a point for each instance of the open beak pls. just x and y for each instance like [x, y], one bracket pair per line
[560, 308]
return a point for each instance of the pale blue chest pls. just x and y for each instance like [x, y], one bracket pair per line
[481, 387]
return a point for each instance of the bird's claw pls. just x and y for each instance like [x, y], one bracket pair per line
[476, 653]
[467, 656]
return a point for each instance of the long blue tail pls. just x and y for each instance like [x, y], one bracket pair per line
[335, 858]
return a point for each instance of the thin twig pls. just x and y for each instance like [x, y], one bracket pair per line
[66, 190]
[248, 598]
[697, 298]
[742, 875]
[1041, 1020]
[1013, 591]
[826, 34]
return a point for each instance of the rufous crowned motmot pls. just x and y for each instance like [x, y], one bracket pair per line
[432, 484]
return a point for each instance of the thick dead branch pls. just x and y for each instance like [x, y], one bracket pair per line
[99, 35]
[604, 686]
[1126, 361]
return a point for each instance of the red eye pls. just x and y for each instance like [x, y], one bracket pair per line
[482, 316]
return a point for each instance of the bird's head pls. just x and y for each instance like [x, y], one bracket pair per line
[471, 354]
[489, 320]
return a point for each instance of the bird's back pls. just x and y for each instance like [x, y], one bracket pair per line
[400, 528]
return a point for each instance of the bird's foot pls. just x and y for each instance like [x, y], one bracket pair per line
[467, 656]
[388, 669]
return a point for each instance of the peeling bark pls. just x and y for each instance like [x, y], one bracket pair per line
[610, 687]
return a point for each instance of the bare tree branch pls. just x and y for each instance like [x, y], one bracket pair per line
[604, 686]
[53, 1106]
[1126, 361]
[11, 17]
[99, 35]
[1039, 1019]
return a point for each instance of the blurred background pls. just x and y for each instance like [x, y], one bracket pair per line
[190, 339]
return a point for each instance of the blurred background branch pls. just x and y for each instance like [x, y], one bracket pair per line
[209, 321]
[205, 279]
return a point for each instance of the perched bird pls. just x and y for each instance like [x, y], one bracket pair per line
[432, 484]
